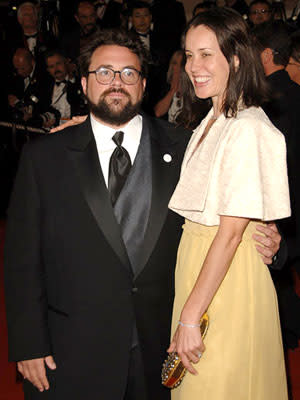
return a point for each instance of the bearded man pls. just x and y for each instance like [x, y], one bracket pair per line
[91, 244]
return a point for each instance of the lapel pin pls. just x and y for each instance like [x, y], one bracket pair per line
[167, 158]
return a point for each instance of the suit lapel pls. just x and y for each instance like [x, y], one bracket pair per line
[164, 178]
[84, 155]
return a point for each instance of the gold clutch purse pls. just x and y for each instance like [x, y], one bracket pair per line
[173, 370]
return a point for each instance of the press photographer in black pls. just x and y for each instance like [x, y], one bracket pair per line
[26, 102]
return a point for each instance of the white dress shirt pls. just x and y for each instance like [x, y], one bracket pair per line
[60, 102]
[31, 42]
[28, 79]
[175, 108]
[145, 40]
[105, 145]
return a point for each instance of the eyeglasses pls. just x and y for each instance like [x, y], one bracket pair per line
[105, 75]
[263, 11]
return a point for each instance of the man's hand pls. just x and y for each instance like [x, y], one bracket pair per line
[35, 371]
[26, 115]
[12, 100]
[79, 119]
[49, 123]
[269, 242]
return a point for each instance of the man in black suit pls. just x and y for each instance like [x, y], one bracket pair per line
[140, 19]
[30, 35]
[274, 43]
[72, 41]
[64, 92]
[26, 93]
[23, 83]
[90, 243]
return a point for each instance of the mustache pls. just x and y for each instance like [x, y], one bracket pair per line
[90, 25]
[57, 72]
[114, 90]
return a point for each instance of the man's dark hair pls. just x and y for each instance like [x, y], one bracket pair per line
[83, 2]
[114, 37]
[246, 82]
[205, 5]
[54, 52]
[295, 46]
[275, 36]
[139, 4]
[254, 2]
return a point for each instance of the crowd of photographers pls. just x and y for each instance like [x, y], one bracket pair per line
[43, 42]
[43, 85]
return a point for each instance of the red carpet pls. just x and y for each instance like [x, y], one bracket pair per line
[10, 390]
[293, 358]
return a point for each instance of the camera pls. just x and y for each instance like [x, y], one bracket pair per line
[24, 106]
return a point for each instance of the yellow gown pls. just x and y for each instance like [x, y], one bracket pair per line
[244, 357]
[238, 170]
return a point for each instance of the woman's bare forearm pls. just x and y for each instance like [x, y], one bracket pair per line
[162, 107]
[215, 267]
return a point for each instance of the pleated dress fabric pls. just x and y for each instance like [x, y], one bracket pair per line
[244, 358]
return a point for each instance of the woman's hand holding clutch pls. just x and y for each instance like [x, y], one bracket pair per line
[187, 342]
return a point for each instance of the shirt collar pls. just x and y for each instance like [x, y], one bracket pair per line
[32, 72]
[103, 133]
[143, 34]
[66, 79]
[31, 35]
[30, 76]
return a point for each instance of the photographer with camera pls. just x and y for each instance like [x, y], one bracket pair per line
[64, 93]
[26, 100]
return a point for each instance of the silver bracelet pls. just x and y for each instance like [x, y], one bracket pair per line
[188, 325]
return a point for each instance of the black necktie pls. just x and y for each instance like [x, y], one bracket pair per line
[57, 83]
[119, 167]
[145, 35]
[31, 36]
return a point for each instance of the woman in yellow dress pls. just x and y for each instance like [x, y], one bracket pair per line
[233, 175]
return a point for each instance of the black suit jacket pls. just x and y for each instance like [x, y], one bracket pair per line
[283, 111]
[38, 87]
[69, 287]
[75, 97]
[17, 39]
[157, 71]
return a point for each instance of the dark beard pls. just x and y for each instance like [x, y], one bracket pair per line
[102, 111]
[88, 30]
